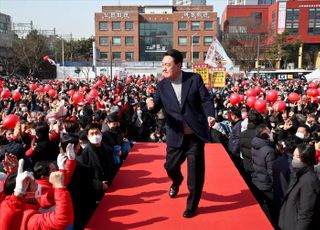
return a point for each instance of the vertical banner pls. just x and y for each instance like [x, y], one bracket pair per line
[218, 77]
[202, 69]
[282, 17]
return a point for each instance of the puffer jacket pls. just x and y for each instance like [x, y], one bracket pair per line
[263, 154]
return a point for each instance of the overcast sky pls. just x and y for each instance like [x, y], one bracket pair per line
[72, 16]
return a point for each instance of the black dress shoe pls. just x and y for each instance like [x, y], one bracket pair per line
[189, 213]
[173, 191]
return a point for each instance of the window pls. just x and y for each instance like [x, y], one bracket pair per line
[207, 40]
[115, 25]
[208, 25]
[204, 55]
[196, 55]
[182, 41]
[129, 25]
[314, 21]
[116, 55]
[129, 56]
[103, 25]
[256, 20]
[182, 25]
[129, 40]
[103, 41]
[184, 55]
[195, 25]
[196, 40]
[103, 55]
[292, 21]
[116, 41]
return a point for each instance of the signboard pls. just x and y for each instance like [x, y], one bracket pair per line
[282, 17]
[218, 77]
[202, 69]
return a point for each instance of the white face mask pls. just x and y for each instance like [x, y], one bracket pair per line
[95, 139]
[83, 146]
[300, 135]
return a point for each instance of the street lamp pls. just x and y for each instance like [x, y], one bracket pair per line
[192, 46]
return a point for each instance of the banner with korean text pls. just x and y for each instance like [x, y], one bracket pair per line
[203, 70]
[217, 77]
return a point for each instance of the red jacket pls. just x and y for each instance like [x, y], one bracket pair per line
[14, 215]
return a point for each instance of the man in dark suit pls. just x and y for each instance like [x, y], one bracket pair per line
[189, 110]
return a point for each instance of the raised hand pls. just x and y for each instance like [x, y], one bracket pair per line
[23, 180]
[70, 151]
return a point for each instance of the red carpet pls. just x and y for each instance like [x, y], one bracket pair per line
[138, 197]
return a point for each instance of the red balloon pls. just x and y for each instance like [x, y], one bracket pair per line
[94, 92]
[312, 92]
[234, 99]
[293, 97]
[40, 90]
[5, 93]
[251, 101]
[2, 83]
[99, 83]
[243, 83]
[16, 96]
[272, 95]
[318, 91]
[45, 58]
[236, 88]
[251, 93]
[279, 106]
[47, 88]
[71, 92]
[89, 98]
[260, 105]
[33, 86]
[129, 80]
[139, 82]
[241, 97]
[313, 85]
[10, 121]
[52, 93]
[257, 89]
[77, 97]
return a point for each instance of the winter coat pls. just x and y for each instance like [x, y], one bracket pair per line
[263, 155]
[234, 140]
[14, 214]
[245, 146]
[301, 205]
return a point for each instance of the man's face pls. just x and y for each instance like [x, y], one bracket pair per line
[169, 68]
[93, 132]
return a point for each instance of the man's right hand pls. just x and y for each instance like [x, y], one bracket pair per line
[150, 103]
[57, 179]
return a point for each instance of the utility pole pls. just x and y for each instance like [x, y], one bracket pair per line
[258, 56]
[110, 48]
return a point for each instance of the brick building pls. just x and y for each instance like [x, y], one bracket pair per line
[300, 19]
[144, 33]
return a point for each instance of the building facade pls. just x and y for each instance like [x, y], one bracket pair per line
[250, 2]
[6, 35]
[188, 2]
[300, 19]
[145, 33]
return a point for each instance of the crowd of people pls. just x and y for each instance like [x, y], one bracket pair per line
[63, 142]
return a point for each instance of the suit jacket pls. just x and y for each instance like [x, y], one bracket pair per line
[196, 106]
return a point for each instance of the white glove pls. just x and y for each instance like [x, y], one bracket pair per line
[70, 151]
[61, 161]
[23, 179]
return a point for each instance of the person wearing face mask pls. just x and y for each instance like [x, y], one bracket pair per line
[303, 132]
[263, 155]
[300, 208]
[99, 158]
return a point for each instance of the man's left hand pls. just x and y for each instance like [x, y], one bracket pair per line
[211, 121]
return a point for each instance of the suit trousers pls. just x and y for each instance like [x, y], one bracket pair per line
[192, 149]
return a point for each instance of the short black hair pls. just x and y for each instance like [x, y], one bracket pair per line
[307, 154]
[41, 168]
[236, 112]
[68, 138]
[176, 55]
[93, 126]
[255, 117]
[10, 184]
[260, 131]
